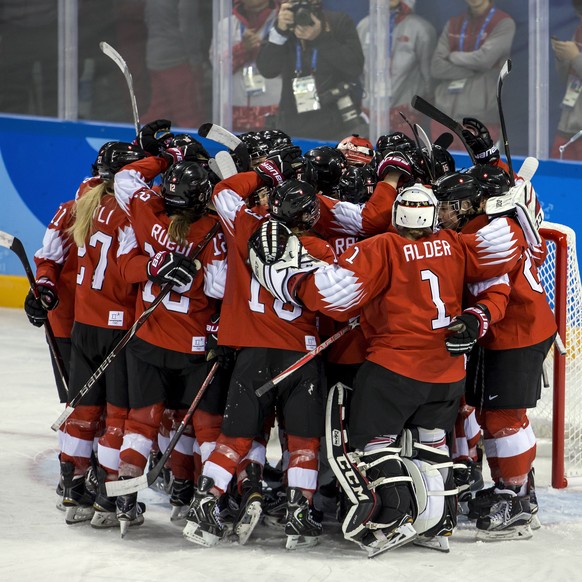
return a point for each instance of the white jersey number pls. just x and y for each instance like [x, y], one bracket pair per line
[442, 319]
[99, 275]
[278, 306]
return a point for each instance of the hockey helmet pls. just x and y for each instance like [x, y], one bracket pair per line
[357, 150]
[186, 185]
[113, 155]
[295, 203]
[415, 207]
[357, 184]
[459, 195]
[328, 164]
[494, 180]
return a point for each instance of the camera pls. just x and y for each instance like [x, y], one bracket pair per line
[341, 97]
[302, 11]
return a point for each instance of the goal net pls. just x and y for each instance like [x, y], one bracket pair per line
[558, 414]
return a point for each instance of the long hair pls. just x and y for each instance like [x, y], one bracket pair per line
[84, 209]
[180, 221]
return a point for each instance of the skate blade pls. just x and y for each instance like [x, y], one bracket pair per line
[518, 532]
[179, 514]
[535, 522]
[104, 519]
[439, 543]
[297, 542]
[59, 504]
[275, 522]
[401, 536]
[78, 514]
[194, 534]
[249, 521]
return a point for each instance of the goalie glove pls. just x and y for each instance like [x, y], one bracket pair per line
[467, 328]
[479, 140]
[276, 257]
[155, 136]
[166, 267]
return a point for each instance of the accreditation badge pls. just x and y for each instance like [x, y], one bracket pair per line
[254, 82]
[573, 92]
[305, 93]
[457, 86]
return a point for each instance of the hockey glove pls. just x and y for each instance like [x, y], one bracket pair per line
[468, 327]
[154, 137]
[479, 140]
[34, 310]
[394, 162]
[172, 155]
[224, 355]
[281, 163]
[169, 267]
[47, 293]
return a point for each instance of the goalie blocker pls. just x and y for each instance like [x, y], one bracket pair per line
[400, 492]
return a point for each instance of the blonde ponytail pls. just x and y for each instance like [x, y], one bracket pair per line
[83, 211]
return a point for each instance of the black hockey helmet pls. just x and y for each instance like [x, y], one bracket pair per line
[357, 184]
[459, 195]
[328, 163]
[494, 180]
[257, 146]
[295, 203]
[443, 161]
[395, 141]
[186, 185]
[113, 155]
[275, 138]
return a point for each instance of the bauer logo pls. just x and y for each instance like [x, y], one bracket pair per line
[336, 437]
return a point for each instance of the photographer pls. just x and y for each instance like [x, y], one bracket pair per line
[319, 57]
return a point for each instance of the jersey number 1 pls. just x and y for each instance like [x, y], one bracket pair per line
[442, 319]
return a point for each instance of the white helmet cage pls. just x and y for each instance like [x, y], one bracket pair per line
[416, 207]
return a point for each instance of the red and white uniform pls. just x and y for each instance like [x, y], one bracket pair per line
[388, 275]
[250, 316]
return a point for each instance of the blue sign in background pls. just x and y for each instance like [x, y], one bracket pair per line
[42, 163]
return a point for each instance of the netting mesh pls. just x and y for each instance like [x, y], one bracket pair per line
[541, 416]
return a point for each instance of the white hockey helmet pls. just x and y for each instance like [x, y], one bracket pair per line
[415, 207]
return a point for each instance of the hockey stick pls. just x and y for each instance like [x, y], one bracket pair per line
[128, 336]
[14, 244]
[306, 358]
[228, 139]
[563, 147]
[435, 114]
[108, 50]
[505, 70]
[528, 168]
[126, 486]
[426, 157]
[444, 140]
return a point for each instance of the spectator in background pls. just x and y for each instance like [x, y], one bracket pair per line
[174, 59]
[569, 62]
[412, 45]
[29, 57]
[320, 60]
[253, 96]
[470, 52]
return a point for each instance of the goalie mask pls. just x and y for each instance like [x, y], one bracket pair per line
[186, 186]
[113, 156]
[459, 199]
[415, 208]
[357, 184]
[295, 204]
[357, 150]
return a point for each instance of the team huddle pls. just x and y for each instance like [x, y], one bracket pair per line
[191, 298]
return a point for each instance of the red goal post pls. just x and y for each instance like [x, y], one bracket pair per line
[558, 414]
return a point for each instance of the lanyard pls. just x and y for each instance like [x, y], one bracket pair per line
[481, 32]
[298, 51]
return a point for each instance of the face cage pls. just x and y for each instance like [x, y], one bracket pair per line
[461, 217]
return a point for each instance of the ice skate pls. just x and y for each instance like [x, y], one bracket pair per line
[508, 519]
[180, 498]
[77, 501]
[105, 512]
[533, 500]
[303, 526]
[203, 523]
[129, 512]
[251, 504]
[275, 509]
[378, 541]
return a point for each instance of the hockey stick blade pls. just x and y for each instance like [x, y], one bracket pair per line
[109, 51]
[444, 140]
[225, 164]
[528, 168]
[126, 486]
[437, 115]
[15, 245]
[306, 358]
[222, 136]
